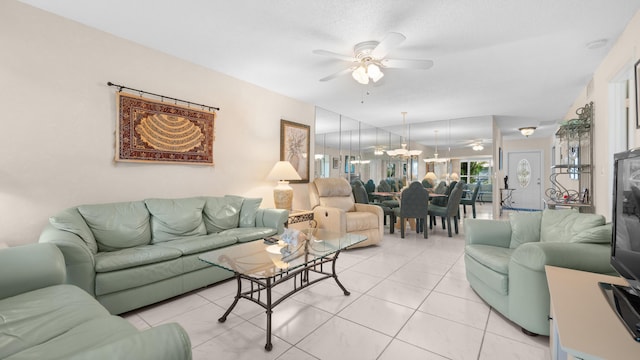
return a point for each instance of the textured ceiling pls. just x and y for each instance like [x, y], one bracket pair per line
[523, 62]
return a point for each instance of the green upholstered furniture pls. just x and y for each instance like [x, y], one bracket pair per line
[505, 260]
[132, 254]
[41, 317]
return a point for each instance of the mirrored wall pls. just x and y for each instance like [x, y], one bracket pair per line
[352, 149]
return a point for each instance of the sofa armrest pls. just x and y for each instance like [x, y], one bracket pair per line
[168, 341]
[487, 232]
[30, 267]
[272, 218]
[78, 258]
[578, 256]
[330, 218]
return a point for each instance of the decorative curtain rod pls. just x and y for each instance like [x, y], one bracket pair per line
[162, 97]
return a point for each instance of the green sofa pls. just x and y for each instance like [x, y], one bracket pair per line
[132, 254]
[505, 260]
[43, 318]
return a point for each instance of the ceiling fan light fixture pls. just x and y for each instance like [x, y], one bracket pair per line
[527, 131]
[374, 72]
[360, 75]
[478, 147]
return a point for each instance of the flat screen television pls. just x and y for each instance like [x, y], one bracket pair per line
[625, 245]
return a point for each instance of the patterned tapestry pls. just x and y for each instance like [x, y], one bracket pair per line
[157, 131]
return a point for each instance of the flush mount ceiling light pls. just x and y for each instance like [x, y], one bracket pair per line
[403, 151]
[527, 131]
[477, 147]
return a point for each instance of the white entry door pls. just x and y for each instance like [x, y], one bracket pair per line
[525, 177]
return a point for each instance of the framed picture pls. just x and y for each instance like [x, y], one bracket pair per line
[637, 82]
[294, 147]
[335, 162]
[500, 158]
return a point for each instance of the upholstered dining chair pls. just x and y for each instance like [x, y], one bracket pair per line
[414, 203]
[451, 210]
[471, 201]
[361, 197]
[442, 201]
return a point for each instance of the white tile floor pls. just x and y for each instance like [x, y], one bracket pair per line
[409, 300]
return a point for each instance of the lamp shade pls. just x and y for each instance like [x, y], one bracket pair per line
[283, 170]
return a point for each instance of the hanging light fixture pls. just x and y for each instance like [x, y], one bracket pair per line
[403, 151]
[527, 131]
[367, 69]
[435, 157]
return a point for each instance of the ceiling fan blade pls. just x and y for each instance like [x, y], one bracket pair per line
[387, 44]
[333, 55]
[337, 74]
[407, 64]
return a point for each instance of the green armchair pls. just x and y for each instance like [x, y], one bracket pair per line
[505, 260]
[41, 317]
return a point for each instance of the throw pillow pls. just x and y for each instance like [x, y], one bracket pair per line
[525, 227]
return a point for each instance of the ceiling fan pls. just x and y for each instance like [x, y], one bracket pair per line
[370, 56]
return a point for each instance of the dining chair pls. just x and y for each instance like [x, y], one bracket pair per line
[360, 195]
[414, 204]
[443, 201]
[471, 201]
[451, 210]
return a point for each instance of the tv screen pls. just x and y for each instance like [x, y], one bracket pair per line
[625, 245]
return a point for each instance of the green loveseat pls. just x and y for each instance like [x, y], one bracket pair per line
[43, 318]
[132, 254]
[505, 260]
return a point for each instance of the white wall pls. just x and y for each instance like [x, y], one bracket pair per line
[624, 53]
[58, 123]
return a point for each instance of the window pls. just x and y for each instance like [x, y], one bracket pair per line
[472, 172]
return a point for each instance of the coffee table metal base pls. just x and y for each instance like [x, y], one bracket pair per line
[301, 281]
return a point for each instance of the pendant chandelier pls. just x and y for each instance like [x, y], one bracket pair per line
[403, 151]
[435, 157]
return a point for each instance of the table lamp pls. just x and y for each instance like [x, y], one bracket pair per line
[283, 171]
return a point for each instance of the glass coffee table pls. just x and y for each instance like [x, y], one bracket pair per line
[266, 265]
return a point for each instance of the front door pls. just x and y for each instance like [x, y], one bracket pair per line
[525, 175]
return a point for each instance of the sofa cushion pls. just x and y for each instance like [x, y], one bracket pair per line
[597, 235]
[525, 227]
[132, 257]
[335, 192]
[197, 244]
[493, 257]
[248, 212]
[129, 278]
[250, 234]
[118, 225]
[174, 218]
[222, 213]
[361, 220]
[70, 220]
[34, 317]
[563, 225]
[496, 281]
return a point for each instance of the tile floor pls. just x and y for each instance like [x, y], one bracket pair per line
[409, 300]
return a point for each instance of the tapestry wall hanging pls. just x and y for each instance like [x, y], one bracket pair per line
[294, 147]
[156, 131]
